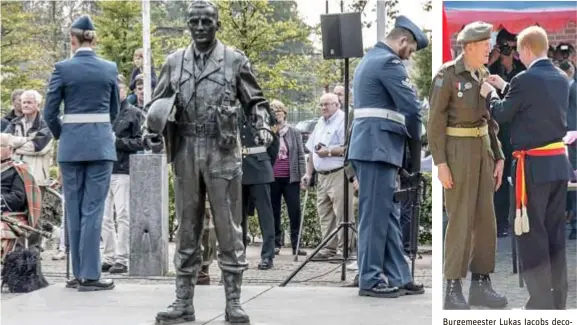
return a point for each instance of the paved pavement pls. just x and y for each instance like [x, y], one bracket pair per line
[313, 274]
[507, 283]
[132, 304]
[313, 297]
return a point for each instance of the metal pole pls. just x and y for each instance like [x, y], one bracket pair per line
[326, 6]
[147, 49]
[342, 62]
[381, 19]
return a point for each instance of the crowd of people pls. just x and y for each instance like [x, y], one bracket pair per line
[100, 130]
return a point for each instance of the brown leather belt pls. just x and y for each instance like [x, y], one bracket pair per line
[327, 172]
[477, 132]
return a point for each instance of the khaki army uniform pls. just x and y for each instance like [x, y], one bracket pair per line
[462, 135]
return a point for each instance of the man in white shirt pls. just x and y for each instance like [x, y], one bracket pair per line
[327, 146]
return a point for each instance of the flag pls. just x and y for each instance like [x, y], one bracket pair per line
[447, 56]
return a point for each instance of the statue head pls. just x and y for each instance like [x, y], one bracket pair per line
[203, 22]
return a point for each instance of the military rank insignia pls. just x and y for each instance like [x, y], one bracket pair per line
[407, 83]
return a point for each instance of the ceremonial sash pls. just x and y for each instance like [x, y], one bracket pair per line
[521, 218]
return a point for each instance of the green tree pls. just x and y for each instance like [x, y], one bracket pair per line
[23, 64]
[423, 59]
[250, 27]
[422, 76]
[119, 26]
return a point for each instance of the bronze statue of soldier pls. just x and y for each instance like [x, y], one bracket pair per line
[194, 107]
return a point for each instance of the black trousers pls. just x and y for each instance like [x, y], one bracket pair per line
[282, 187]
[542, 249]
[259, 194]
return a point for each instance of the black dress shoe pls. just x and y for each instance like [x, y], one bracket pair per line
[412, 288]
[106, 267]
[72, 283]
[381, 290]
[95, 285]
[265, 264]
[118, 268]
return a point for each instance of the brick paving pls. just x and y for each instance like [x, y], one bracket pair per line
[313, 274]
[507, 283]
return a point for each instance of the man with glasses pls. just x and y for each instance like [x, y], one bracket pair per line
[327, 146]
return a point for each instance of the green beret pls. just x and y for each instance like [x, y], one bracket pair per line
[475, 32]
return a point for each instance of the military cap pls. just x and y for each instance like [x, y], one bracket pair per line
[83, 23]
[420, 37]
[475, 32]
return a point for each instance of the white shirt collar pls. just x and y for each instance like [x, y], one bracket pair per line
[536, 60]
[84, 49]
[571, 82]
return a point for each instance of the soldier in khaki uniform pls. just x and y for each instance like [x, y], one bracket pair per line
[463, 141]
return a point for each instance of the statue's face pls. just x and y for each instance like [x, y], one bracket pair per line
[203, 24]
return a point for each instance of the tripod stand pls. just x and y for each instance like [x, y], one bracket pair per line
[346, 224]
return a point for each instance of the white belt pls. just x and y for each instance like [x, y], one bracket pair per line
[380, 113]
[253, 150]
[86, 118]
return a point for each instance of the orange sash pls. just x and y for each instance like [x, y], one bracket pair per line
[521, 219]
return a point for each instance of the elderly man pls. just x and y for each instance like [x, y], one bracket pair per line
[386, 112]
[32, 142]
[87, 85]
[13, 195]
[327, 147]
[535, 105]
[463, 141]
[16, 110]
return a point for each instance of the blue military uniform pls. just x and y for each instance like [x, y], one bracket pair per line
[387, 112]
[87, 85]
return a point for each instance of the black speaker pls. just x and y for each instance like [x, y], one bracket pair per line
[342, 35]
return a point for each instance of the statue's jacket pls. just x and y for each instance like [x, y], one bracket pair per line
[206, 104]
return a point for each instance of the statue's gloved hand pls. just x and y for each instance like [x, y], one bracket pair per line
[153, 142]
[264, 137]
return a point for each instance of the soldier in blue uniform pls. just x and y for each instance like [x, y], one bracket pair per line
[87, 85]
[386, 114]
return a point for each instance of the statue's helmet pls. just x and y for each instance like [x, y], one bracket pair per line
[158, 113]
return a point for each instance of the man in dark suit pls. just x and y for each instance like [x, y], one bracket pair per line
[87, 85]
[535, 103]
[257, 174]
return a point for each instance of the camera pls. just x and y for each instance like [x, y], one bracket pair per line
[507, 49]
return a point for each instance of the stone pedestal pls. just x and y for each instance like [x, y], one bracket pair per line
[148, 215]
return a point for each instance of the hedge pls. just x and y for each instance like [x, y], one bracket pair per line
[311, 228]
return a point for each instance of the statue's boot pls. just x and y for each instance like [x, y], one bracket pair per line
[233, 313]
[182, 309]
